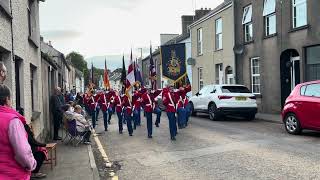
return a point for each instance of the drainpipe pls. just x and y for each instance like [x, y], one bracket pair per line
[234, 43]
[12, 46]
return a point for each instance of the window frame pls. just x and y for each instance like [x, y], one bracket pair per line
[199, 41]
[255, 75]
[267, 25]
[294, 15]
[200, 80]
[245, 32]
[218, 35]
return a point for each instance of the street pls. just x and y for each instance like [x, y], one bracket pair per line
[229, 149]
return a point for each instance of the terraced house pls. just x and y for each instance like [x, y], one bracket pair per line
[212, 41]
[277, 47]
[20, 52]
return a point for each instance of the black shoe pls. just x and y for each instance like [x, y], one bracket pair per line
[173, 138]
[109, 122]
[157, 125]
[106, 130]
[120, 132]
[130, 134]
[149, 136]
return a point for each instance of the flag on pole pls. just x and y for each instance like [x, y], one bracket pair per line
[152, 71]
[106, 76]
[138, 74]
[91, 74]
[123, 76]
[130, 76]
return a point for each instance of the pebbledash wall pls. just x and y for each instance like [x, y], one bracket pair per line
[265, 63]
[214, 63]
[22, 56]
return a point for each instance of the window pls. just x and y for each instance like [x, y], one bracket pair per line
[200, 76]
[219, 34]
[219, 73]
[313, 63]
[299, 13]
[5, 5]
[247, 14]
[33, 84]
[234, 89]
[255, 75]
[248, 32]
[247, 23]
[270, 24]
[269, 14]
[312, 90]
[199, 41]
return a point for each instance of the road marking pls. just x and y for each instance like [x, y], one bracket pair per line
[103, 153]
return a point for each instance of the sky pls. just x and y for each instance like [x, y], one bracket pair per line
[113, 27]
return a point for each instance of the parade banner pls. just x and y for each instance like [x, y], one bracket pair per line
[173, 58]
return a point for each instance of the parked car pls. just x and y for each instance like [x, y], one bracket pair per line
[302, 108]
[223, 100]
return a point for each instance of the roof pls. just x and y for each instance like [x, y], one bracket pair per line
[178, 39]
[154, 53]
[226, 4]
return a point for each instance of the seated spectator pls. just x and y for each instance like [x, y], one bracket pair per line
[83, 126]
[39, 151]
[16, 158]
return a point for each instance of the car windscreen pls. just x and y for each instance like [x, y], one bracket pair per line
[234, 89]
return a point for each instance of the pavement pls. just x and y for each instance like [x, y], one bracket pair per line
[274, 118]
[73, 163]
[227, 149]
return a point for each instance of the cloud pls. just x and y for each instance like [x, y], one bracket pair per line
[121, 4]
[61, 34]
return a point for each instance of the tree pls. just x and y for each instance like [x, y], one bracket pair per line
[78, 62]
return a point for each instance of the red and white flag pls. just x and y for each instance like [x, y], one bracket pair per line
[130, 76]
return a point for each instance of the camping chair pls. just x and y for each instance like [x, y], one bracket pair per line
[75, 136]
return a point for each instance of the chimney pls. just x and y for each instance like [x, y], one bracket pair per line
[41, 38]
[200, 13]
[186, 21]
[50, 44]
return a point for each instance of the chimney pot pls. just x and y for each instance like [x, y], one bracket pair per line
[50, 43]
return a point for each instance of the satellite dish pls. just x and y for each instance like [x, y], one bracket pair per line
[238, 49]
[191, 61]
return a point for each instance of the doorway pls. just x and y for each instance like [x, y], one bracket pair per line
[289, 72]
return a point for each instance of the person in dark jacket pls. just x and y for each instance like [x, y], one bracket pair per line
[39, 155]
[56, 104]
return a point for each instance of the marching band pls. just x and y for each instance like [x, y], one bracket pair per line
[128, 110]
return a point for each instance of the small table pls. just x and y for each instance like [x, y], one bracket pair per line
[52, 147]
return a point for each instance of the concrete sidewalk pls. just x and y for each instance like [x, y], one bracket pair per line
[274, 118]
[73, 163]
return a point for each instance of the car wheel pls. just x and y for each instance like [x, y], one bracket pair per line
[292, 124]
[193, 113]
[213, 112]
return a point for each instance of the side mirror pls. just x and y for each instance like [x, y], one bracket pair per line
[197, 94]
[214, 91]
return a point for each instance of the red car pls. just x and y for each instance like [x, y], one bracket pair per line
[302, 108]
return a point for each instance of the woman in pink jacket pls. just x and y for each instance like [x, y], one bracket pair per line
[16, 159]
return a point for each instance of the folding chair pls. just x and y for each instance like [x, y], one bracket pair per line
[75, 136]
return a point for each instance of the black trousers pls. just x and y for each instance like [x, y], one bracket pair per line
[39, 157]
[56, 127]
[87, 135]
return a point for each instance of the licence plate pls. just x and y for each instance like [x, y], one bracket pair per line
[241, 98]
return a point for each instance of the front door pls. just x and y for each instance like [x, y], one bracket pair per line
[290, 74]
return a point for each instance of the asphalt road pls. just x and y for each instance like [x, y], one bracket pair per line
[229, 149]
